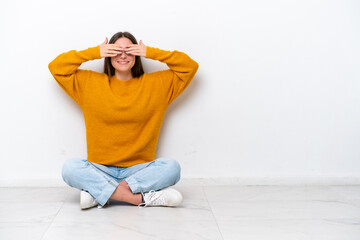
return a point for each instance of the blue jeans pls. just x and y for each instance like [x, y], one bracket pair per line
[102, 180]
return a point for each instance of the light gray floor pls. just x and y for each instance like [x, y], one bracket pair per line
[208, 212]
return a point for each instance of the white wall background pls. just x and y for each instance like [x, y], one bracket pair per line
[275, 100]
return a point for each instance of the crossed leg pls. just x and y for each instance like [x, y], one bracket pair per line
[123, 193]
[100, 180]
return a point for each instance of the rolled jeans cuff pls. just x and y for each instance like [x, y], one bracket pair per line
[133, 185]
[107, 192]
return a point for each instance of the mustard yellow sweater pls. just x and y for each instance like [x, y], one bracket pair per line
[123, 118]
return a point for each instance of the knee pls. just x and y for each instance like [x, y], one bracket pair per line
[70, 168]
[173, 168]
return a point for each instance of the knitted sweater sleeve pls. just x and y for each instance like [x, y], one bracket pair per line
[182, 70]
[65, 70]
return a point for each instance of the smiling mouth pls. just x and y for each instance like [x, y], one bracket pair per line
[122, 62]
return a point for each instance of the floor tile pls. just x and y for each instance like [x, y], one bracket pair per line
[29, 211]
[294, 229]
[350, 192]
[189, 210]
[207, 212]
[191, 192]
[51, 194]
[22, 230]
[193, 219]
[239, 193]
[240, 210]
[134, 229]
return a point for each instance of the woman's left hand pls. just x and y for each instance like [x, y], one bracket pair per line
[137, 50]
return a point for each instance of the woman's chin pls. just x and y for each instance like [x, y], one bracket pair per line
[123, 69]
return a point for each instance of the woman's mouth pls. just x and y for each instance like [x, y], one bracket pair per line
[122, 62]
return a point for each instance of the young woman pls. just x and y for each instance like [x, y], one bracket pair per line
[123, 110]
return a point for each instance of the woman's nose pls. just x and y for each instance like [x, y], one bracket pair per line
[122, 54]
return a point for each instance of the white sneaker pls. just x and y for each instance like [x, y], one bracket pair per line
[168, 198]
[87, 201]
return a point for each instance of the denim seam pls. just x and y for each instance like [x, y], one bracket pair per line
[102, 171]
[107, 192]
[109, 179]
[133, 184]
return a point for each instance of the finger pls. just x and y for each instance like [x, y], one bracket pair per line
[134, 53]
[106, 40]
[114, 52]
[113, 46]
[110, 55]
[141, 42]
[132, 45]
[131, 52]
[133, 48]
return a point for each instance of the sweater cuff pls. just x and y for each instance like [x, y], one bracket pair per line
[93, 52]
[150, 52]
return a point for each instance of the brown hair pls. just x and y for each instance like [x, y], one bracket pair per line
[137, 70]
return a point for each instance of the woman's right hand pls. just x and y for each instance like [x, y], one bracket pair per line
[109, 50]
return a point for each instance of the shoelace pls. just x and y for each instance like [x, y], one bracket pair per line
[153, 199]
